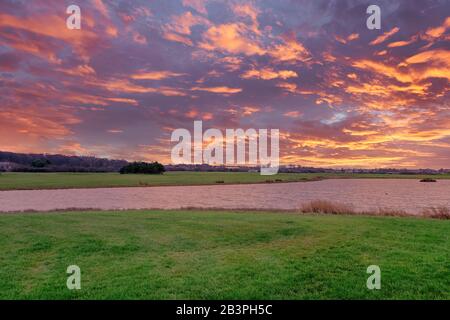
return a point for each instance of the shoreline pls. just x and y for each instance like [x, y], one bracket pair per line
[294, 212]
[173, 185]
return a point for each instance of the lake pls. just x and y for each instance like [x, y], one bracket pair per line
[408, 195]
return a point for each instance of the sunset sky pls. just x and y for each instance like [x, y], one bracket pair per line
[342, 95]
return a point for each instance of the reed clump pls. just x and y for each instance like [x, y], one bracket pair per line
[326, 207]
[437, 213]
[329, 207]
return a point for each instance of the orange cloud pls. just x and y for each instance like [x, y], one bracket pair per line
[384, 36]
[182, 24]
[115, 131]
[327, 56]
[322, 97]
[437, 64]
[340, 39]
[292, 114]
[248, 10]
[290, 87]
[54, 27]
[123, 100]
[381, 53]
[413, 71]
[193, 113]
[220, 90]
[402, 43]
[139, 38]
[387, 90]
[198, 5]
[29, 129]
[231, 63]
[249, 110]
[100, 6]
[230, 38]
[207, 116]
[290, 50]
[441, 56]
[35, 47]
[156, 75]
[353, 36]
[177, 38]
[239, 38]
[269, 74]
[51, 26]
[80, 71]
[438, 31]
[383, 69]
[121, 85]
[73, 148]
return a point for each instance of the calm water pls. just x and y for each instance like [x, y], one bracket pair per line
[363, 194]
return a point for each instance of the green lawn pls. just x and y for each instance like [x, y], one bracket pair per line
[222, 255]
[12, 181]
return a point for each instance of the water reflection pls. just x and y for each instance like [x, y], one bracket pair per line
[363, 194]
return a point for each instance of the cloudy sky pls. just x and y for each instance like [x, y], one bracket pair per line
[342, 95]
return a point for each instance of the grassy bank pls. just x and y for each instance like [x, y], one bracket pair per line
[19, 181]
[221, 255]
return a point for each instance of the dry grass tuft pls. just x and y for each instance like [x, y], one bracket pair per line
[437, 213]
[327, 207]
[389, 213]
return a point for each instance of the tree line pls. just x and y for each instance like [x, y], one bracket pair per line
[26, 162]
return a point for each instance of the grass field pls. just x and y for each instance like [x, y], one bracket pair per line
[16, 181]
[222, 255]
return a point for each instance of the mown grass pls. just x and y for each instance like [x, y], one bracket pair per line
[222, 255]
[22, 181]
[10, 181]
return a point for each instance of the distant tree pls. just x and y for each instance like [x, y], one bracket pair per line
[59, 163]
[40, 163]
[143, 167]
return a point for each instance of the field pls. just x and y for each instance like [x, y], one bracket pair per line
[20, 181]
[221, 255]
